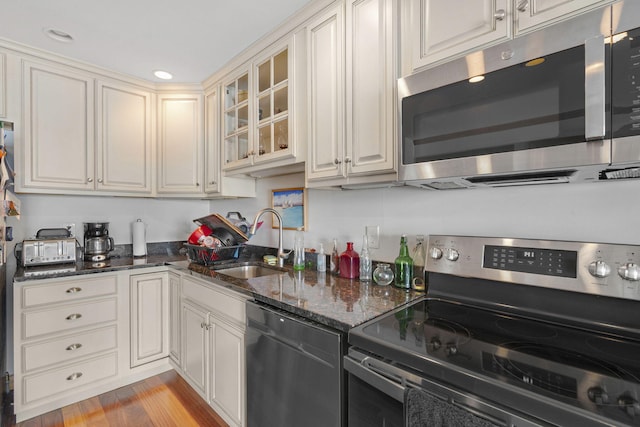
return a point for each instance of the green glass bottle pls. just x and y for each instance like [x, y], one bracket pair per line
[404, 266]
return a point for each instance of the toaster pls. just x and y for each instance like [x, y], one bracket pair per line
[51, 246]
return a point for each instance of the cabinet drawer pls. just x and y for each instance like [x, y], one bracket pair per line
[231, 308]
[68, 290]
[68, 316]
[71, 377]
[67, 348]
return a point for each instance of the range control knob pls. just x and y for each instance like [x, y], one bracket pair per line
[598, 396]
[629, 405]
[629, 271]
[452, 254]
[599, 269]
[435, 253]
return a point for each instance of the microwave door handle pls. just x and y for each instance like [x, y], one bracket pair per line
[594, 102]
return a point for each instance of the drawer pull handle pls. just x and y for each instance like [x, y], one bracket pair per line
[74, 376]
[73, 290]
[74, 347]
[74, 316]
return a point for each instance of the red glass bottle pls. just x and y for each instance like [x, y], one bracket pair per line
[349, 263]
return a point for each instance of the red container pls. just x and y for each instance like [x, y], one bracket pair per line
[199, 234]
[349, 263]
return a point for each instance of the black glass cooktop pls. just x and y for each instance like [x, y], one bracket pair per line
[436, 338]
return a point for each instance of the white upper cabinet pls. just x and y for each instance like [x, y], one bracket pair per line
[261, 103]
[530, 14]
[216, 184]
[352, 103]
[238, 147]
[325, 39]
[123, 155]
[180, 145]
[436, 32]
[440, 30]
[58, 152]
[66, 149]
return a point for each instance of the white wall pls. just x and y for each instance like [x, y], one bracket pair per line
[597, 212]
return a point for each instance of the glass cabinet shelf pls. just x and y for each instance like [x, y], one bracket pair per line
[272, 103]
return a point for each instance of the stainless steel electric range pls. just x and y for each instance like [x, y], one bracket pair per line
[512, 332]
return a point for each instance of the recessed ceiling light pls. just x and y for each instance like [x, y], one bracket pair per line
[476, 79]
[163, 75]
[58, 35]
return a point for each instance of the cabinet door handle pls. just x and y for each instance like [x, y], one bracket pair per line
[73, 290]
[522, 6]
[73, 347]
[337, 161]
[347, 160]
[100, 180]
[74, 316]
[212, 183]
[74, 376]
[500, 14]
[89, 179]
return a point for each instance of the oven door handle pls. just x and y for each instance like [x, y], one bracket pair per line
[379, 375]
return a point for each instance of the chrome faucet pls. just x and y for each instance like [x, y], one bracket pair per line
[282, 255]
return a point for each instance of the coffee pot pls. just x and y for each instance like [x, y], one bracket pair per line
[97, 243]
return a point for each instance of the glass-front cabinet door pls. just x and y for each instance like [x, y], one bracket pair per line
[272, 95]
[258, 110]
[236, 107]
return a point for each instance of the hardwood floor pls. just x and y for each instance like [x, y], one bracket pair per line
[164, 400]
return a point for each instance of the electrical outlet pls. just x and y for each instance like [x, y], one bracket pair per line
[71, 227]
[373, 236]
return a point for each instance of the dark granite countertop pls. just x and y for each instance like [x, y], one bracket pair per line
[321, 297]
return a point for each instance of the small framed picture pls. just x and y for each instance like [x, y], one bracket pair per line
[291, 204]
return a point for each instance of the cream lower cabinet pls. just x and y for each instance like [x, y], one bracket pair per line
[79, 336]
[352, 103]
[212, 332]
[175, 299]
[66, 340]
[149, 302]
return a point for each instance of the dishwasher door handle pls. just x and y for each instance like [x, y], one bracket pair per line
[388, 383]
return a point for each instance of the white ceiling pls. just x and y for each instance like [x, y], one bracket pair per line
[189, 38]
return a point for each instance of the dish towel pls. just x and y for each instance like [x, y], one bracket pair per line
[425, 410]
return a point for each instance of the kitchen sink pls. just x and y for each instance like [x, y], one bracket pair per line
[249, 271]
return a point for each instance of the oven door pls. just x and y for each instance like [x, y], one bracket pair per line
[384, 395]
[539, 104]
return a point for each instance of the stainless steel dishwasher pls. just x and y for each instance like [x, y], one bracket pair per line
[294, 371]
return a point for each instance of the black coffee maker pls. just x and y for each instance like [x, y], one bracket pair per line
[97, 243]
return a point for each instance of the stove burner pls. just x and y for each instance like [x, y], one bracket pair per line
[571, 358]
[526, 329]
[615, 348]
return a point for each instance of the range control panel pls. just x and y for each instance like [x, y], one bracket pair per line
[531, 260]
[594, 268]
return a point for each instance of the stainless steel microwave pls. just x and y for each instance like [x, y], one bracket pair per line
[558, 105]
